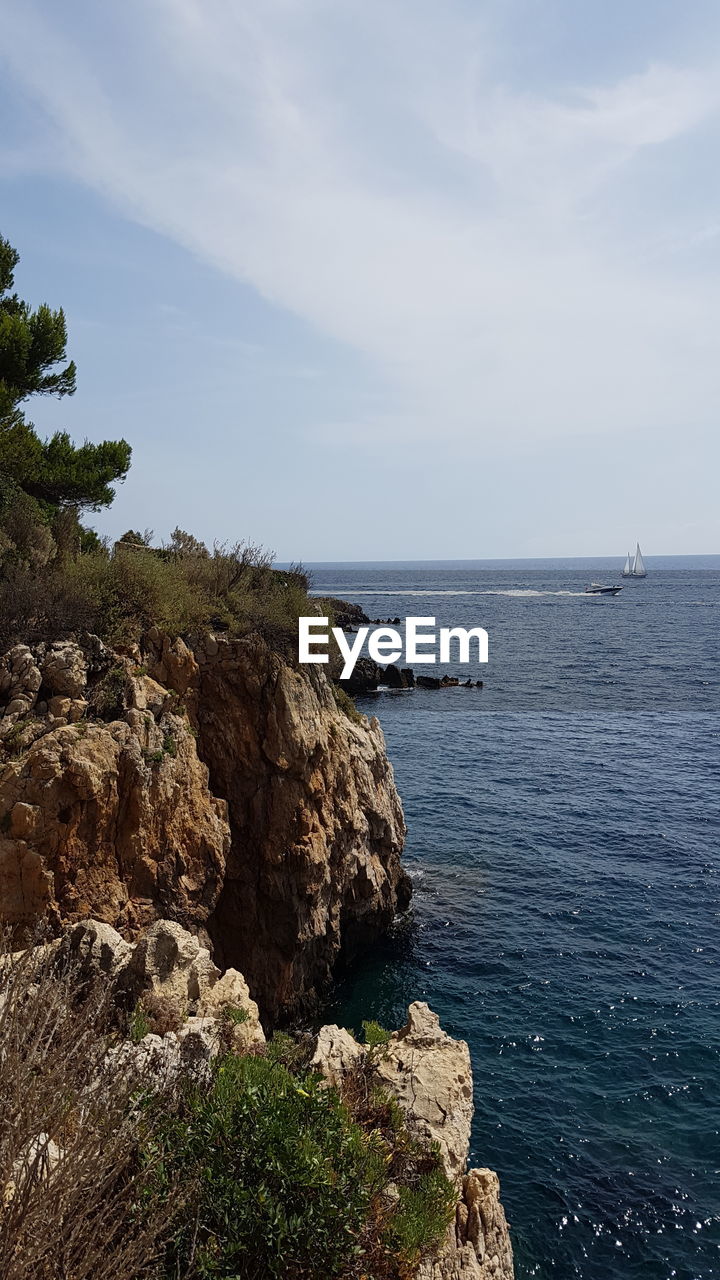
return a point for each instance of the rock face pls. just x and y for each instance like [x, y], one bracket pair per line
[211, 784]
[316, 822]
[430, 1076]
[114, 821]
[167, 962]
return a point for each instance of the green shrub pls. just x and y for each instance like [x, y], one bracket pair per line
[139, 1024]
[375, 1035]
[108, 696]
[345, 704]
[235, 1016]
[423, 1215]
[179, 589]
[288, 1050]
[287, 1178]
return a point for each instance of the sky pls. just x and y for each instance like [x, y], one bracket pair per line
[380, 279]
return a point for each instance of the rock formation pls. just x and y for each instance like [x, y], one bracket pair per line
[111, 820]
[211, 808]
[317, 826]
[365, 678]
[396, 677]
[430, 1076]
[343, 613]
[208, 783]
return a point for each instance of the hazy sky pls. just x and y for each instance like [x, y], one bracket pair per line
[381, 278]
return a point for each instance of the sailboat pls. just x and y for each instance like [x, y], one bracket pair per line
[634, 565]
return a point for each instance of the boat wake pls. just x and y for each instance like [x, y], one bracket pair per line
[509, 591]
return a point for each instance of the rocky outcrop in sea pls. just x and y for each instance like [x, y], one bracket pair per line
[430, 1076]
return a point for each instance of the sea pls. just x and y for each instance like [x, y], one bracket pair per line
[564, 843]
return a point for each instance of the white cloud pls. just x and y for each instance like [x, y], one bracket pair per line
[365, 167]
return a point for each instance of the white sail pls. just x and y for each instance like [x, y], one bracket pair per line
[628, 566]
[638, 569]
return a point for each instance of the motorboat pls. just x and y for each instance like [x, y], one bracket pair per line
[600, 589]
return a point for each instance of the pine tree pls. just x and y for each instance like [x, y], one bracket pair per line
[54, 474]
[31, 344]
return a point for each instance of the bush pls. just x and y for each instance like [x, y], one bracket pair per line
[287, 1178]
[180, 589]
[108, 695]
[235, 1015]
[260, 1171]
[423, 1214]
[375, 1035]
[345, 704]
[297, 1180]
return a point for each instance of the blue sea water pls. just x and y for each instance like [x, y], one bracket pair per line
[564, 841]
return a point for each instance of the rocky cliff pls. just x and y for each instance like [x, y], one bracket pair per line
[430, 1076]
[207, 797]
[209, 783]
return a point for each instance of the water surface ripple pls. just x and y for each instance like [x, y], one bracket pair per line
[563, 839]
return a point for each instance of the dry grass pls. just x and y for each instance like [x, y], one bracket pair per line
[75, 1200]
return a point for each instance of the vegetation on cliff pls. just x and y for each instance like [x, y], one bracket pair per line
[57, 576]
[249, 1166]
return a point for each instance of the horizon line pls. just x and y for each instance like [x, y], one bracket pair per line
[694, 555]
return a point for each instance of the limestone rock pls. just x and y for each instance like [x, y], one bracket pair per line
[172, 663]
[145, 694]
[175, 1055]
[97, 949]
[199, 1041]
[478, 1245]
[171, 962]
[336, 1053]
[228, 994]
[106, 821]
[317, 826]
[20, 682]
[222, 788]
[64, 669]
[430, 1075]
